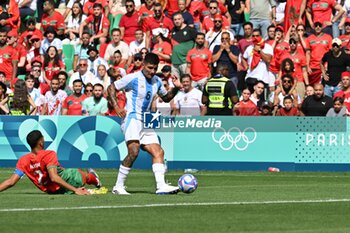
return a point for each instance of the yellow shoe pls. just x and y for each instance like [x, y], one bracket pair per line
[102, 190]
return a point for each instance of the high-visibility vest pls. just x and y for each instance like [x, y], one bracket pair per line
[216, 93]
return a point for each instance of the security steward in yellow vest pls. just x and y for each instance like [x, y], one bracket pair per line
[220, 94]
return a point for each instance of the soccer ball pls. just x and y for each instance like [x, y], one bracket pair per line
[188, 183]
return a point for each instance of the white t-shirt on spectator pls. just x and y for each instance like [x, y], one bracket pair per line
[189, 103]
[261, 71]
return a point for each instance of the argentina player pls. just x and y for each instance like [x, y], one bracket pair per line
[140, 88]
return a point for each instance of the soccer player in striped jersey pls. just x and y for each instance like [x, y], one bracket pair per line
[140, 89]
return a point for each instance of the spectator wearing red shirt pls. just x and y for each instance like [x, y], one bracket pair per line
[208, 21]
[280, 46]
[300, 67]
[246, 107]
[345, 92]
[12, 21]
[222, 10]
[72, 104]
[99, 25]
[8, 58]
[129, 23]
[146, 10]
[158, 22]
[52, 18]
[52, 64]
[289, 109]
[89, 7]
[195, 7]
[172, 7]
[345, 38]
[163, 49]
[322, 11]
[21, 51]
[198, 61]
[30, 31]
[136, 65]
[318, 44]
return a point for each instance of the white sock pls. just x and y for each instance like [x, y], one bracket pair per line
[122, 175]
[159, 171]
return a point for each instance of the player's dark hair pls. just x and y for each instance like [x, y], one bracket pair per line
[33, 138]
[151, 58]
[77, 81]
[200, 34]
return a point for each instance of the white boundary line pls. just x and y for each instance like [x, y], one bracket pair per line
[178, 204]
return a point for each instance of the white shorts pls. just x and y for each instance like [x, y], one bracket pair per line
[133, 131]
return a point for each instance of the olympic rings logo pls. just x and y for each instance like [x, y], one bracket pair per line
[234, 141]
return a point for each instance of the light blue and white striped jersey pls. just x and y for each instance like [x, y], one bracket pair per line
[140, 92]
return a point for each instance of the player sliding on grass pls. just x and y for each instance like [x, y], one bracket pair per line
[141, 87]
[43, 169]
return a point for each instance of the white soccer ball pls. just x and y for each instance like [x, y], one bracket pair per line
[188, 183]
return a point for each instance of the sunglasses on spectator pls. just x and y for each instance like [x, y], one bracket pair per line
[36, 70]
[287, 81]
[144, 52]
[217, 21]
[300, 30]
[157, 10]
[318, 25]
[137, 59]
[335, 45]
[292, 42]
[225, 38]
[83, 64]
[129, 6]
[212, 7]
[88, 90]
[347, 24]
[255, 35]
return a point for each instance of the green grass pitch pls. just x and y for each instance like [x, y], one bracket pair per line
[224, 202]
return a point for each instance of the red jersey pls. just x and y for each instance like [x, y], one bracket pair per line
[299, 61]
[318, 45]
[346, 97]
[56, 20]
[24, 36]
[280, 49]
[73, 104]
[21, 51]
[164, 48]
[208, 23]
[172, 7]
[344, 39]
[133, 69]
[199, 60]
[145, 12]
[130, 23]
[88, 6]
[43, 88]
[322, 9]
[152, 23]
[248, 108]
[95, 27]
[196, 6]
[52, 70]
[292, 112]
[7, 55]
[36, 168]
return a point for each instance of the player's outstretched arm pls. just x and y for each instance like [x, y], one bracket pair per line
[10, 182]
[112, 99]
[54, 177]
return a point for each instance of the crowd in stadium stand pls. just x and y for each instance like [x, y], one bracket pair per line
[233, 57]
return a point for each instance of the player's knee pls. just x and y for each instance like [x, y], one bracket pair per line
[159, 154]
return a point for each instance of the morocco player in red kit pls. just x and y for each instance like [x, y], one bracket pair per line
[43, 169]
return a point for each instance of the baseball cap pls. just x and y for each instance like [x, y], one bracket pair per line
[92, 48]
[345, 74]
[347, 21]
[218, 16]
[279, 28]
[336, 41]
